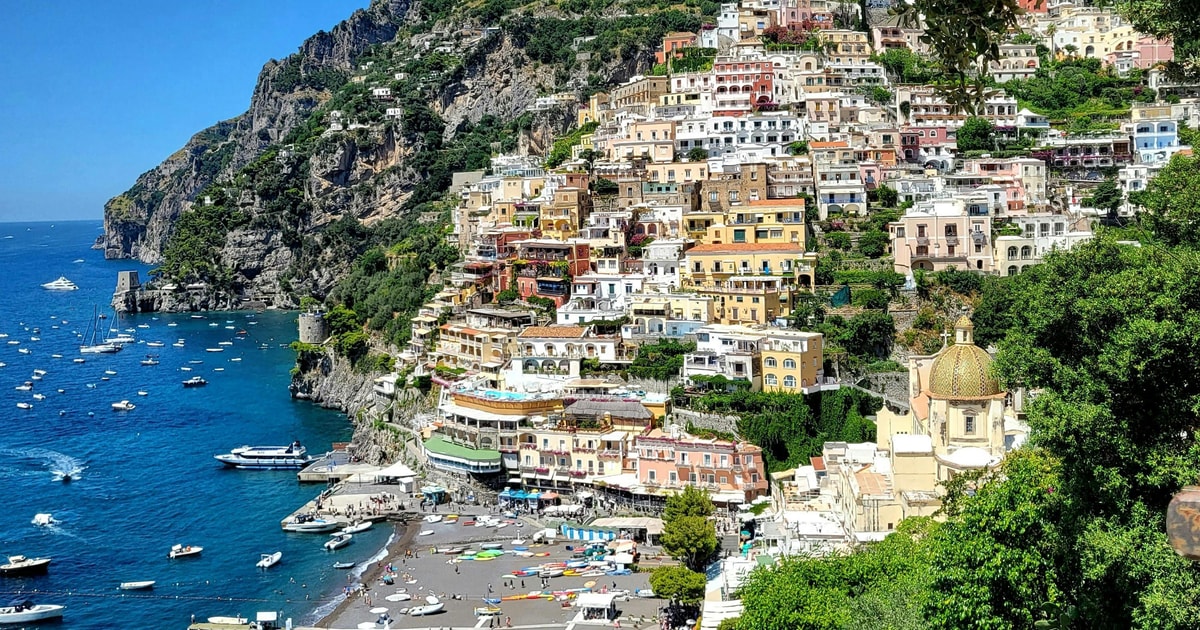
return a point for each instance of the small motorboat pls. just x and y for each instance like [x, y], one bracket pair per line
[269, 560]
[311, 526]
[136, 586]
[338, 541]
[492, 545]
[344, 565]
[124, 405]
[25, 611]
[39, 397]
[24, 405]
[149, 361]
[20, 565]
[78, 360]
[398, 597]
[155, 344]
[43, 520]
[214, 349]
[229, 621]
[358, 527]
[24, 387]
[433, 518]
[432, 605]
[488, 611]
[143, 393]
[184, 551]
[195, 381]
[428, 532]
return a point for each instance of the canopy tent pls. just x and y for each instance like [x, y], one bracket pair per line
[396, 471]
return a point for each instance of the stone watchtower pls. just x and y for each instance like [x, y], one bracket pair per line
[127, 281]
[313, 327]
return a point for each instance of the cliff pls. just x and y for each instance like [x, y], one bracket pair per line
[138, 222]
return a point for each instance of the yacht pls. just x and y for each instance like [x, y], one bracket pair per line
[20, 565]
[25, 611]
[307, 524]
[62, 284]
[195, 381]
[100, 348]
[124, 405]
[184, 551]
[267, 457]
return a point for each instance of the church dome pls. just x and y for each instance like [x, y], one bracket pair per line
[964, 369]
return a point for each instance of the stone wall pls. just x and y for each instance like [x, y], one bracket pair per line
[653, 385]
[710, 421]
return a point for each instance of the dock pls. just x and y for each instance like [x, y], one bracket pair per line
[333, 467]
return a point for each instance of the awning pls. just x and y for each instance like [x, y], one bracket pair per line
[549, 496]
[477, 414]
[595, 600]
[397, 470]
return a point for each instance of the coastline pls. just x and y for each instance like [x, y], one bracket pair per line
[372, 573]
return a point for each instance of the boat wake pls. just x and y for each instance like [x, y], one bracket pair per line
[61, 466]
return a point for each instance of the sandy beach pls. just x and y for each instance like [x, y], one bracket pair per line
[463, 584]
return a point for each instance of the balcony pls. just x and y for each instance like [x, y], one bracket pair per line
[528, 446]
[952, 241]
[609, 454]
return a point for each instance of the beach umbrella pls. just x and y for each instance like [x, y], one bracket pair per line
[379, 610]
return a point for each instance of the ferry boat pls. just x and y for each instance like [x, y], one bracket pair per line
[62, 284]
[267, 457]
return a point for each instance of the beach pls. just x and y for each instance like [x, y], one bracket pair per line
[463, 584]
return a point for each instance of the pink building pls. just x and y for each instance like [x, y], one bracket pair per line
[730, 471]
[1145, 53]
[744, 84]
[801, 14]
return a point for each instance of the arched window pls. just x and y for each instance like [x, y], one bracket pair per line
[771, 362]
[789, 381]
[772, 379]
[1012, 270]
[789, 364]
[1026, 252]
[1012, 253]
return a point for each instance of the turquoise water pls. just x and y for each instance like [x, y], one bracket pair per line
[146, 479]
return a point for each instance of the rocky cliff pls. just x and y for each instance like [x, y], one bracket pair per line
[138, 222]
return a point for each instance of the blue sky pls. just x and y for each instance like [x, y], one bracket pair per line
[94, 93]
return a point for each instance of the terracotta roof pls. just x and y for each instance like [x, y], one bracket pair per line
[556, 332]
[871, 483]
[737, 248]
[818, 463]
[839, 144]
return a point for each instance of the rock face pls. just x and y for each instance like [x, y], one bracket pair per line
[138, 222]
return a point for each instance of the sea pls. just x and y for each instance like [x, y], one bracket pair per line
[144, 480]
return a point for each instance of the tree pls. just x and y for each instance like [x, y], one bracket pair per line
[678, 584]
[697, 154]
[798, 147]
[838, 240]
[976, 134]
[870, 334]
[690, 539]
[1107, 197]
[874, 243]
[1171, 202]
[887, 196]
[691, 502]
[880, 95]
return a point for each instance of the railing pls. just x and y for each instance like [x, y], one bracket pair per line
[562, 472]
[529, 446]
[609, 454]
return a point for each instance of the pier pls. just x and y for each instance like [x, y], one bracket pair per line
[333, 466]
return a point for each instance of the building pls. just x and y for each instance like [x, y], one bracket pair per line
[945, 232]
[792, 361]
[732, 472]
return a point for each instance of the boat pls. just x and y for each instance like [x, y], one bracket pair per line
[550, 573]
[143, 325]
[229, 621]
[39, 397]
[110, 372]
[155, 344]
[43, 520]
[492, 545]
[308, 525]
[62, 284]
[225, 343]
[182, 551]
[488, 611]
[344, 565]
[124, 405]
[24, 387]
[266, 457]
[358, 527]
[40, 373]
[143, 393]
[398, 597]
[24, 405]
[20, 565]
[338, 541]
[432, 605]
[121, 339]
[269, 560]
[91, 346]
[195, 381]
[78, 360]
[428, 532]
[25, 611]
[214, 349]
[149, 360]
[433, 518]
[136, 586]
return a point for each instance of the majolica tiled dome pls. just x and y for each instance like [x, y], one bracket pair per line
[964, 369]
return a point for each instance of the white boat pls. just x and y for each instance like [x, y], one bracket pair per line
[20, 565]
[494, 545]
[110, 372]
[25, 611]
[214, 349]
[428, 532]
[184, 551]
[358, 527]
[24, 387]
[143, 393]
[266, 457]
[62, 284]
[195, 381]
[24, 405]
[24, 350]
[177, 344]
[433, 518]
[269, 560]
[143, 325]
[124, 405]
[39, 397]
[398, 597]
[311, 526]
[225, 343]
[40, 372]
[121, 339]
[136, 586]
[338, 541]
[149, 361]
[43, 520]
[78, 360]
[155, 344]
[431, 606]
[229, 621]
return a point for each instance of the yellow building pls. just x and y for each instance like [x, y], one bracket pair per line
[561, 218]
[792, 361]
[469, 348]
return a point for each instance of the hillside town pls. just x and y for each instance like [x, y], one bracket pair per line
[772, 166]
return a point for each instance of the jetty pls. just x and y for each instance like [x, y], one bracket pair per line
[333, 467]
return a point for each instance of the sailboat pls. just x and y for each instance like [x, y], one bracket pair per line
[91, 347]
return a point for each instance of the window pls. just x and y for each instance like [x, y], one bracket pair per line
[772, 379]
[770, 362]
[673, 477]
[969, 425]
[650, 475]
[789, 381]
[683, 458]
[708, 459]
[789, 364]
